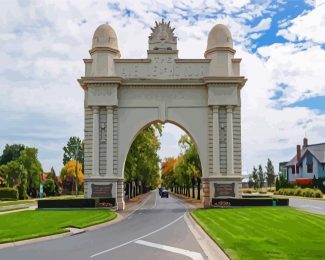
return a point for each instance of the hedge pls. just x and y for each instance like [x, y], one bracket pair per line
[235, 202]
[8, 193]
[76, 203]
[311, 193]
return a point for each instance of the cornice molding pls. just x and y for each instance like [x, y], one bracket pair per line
[215, 49]
[104, 49]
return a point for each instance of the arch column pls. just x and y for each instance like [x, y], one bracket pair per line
[230, 141]
[95, 147]
[109, 142]
[216, 142]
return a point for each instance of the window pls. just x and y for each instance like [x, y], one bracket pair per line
[309, 168]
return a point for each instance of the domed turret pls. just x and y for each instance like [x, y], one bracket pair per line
[105, 36]
[219, 36]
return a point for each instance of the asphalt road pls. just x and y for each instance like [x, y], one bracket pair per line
[156, 230]
[315, 206]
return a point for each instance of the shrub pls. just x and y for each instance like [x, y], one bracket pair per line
[246, 191]
[298, 192]
[8, 193]
[318, 194]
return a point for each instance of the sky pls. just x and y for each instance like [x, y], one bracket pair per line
[281, 43]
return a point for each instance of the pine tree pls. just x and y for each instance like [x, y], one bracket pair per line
[270, 175]
[261, 177]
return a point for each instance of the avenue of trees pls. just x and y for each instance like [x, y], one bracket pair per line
[183, 173]
[260, 178]
[141, 170]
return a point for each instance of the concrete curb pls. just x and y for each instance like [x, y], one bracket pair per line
[210, 248]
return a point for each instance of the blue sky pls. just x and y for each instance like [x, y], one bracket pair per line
[281, 44]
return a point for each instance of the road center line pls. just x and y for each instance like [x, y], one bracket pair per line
[131, 241]
[193, 255]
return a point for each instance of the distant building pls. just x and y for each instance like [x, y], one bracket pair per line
[307, 163]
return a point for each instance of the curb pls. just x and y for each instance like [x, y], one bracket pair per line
[210, 248]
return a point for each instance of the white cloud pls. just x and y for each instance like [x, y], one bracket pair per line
[308, 26]
[263, 25]
[43, 44]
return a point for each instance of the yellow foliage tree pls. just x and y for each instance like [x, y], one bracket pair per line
[69, 170]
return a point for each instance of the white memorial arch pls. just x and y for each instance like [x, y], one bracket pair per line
[202, 96]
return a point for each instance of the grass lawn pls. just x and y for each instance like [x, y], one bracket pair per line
[31, 224]
[265, 232]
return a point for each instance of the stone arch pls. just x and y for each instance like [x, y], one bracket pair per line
[202, 96]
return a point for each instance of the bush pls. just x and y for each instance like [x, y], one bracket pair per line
[8, 193]
[307, 192]
[246, 191]
[49, 187]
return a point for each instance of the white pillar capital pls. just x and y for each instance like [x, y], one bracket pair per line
[229, 109]
[95, 109]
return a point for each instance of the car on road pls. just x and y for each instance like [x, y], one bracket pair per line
[160, 190]
[164, 193]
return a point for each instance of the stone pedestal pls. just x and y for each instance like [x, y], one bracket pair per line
[100, 187]
[225, 187]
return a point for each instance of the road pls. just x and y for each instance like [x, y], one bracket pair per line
[315, 206]
[156, 230]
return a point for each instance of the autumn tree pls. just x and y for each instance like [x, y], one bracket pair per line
[68, 175]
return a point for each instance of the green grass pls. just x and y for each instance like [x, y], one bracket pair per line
[265, 232]
[31, 224]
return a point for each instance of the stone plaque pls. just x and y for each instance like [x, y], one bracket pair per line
[227, 190]
[101, 191]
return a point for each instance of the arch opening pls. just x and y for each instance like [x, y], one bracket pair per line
[162, 154]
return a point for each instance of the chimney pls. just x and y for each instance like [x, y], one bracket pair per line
[305, 142]
[298, 152]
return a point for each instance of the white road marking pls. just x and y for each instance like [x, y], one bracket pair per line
[133, 240]
[191, 254]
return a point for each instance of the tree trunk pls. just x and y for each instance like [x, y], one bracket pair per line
[193, 187]
[198, 188]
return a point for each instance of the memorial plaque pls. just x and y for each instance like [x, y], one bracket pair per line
[227, 190]
[101, 191]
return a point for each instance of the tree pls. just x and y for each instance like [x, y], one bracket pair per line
[255, 178]
[49, 187]
[261, 176]
[270, 175]
[16, 176]
[73, 150]
[142, 162]
[192, 160]
[277, 185]
[28, 158]
[11, 153]
[68, 175]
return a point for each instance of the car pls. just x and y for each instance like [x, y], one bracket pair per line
[164, 193]
[160, 190]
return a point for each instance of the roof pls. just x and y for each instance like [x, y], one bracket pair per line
[317, 150]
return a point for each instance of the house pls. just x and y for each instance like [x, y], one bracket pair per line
[308, 162]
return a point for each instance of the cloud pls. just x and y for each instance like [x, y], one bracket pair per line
[43, 44]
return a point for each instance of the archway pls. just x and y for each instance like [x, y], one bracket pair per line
[147, 145]
[200, 95]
